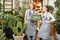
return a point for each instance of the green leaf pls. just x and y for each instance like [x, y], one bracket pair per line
[19, 24]
[36, 17]
[15, 30]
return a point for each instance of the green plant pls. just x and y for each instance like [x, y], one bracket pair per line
[58, 16]
[7, 16]
[0, 6]
[20, 24]
[58, 12]
[51, 9]
[8, 12]
[16, 22]
[58, 27]
[57, 4]
[36, 17]
[58, 21]
[19, 29]
[22, 13]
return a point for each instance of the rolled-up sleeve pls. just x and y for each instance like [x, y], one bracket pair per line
[52, 17]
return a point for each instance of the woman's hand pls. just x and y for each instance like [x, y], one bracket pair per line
[37, 29]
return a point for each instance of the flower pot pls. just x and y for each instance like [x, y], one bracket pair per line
[57, 36]
[18, 37]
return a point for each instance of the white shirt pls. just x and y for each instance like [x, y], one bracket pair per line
[49, 15]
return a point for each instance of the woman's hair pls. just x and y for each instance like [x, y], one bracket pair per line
[47, 8]
[33, 5]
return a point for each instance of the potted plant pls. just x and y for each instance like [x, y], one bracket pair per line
[58, 24]
[16, 22]
[5, 17]
[57, 4]
[19, 30]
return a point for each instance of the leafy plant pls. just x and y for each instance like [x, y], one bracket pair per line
[57, 4]
[0, 6]
[58, 12]
[20, 24]
[51, 9]
[16, 22]
[58, 21]
[36, 17]
[5, 17]
[22, 13]
[8, 12]
[19, 29]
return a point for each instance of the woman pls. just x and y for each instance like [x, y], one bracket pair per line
[31, 29]
[47, 18]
